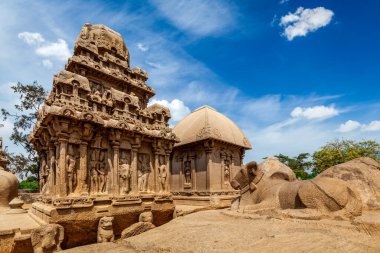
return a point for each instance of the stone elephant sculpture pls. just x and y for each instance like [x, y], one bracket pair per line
[272, 187]
[47, 238]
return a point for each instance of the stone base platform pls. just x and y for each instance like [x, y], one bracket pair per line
[80, 215]
[15, 229]
[212, 199]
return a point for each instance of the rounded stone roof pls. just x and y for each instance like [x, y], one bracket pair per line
[207, 123]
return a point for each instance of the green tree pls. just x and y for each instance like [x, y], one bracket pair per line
[340, 151]
[23, 117]
[299, 164]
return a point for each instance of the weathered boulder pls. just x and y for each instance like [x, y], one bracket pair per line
[362, 174]
[136, 229]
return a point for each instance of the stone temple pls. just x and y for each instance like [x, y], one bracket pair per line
[103, 151]
[210, 152]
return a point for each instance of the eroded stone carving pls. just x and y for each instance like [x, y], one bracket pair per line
[105, 230]
[144, 169]
[47, 238]
[125, 174]
[8, 181]
[96, 135]
[273, 186]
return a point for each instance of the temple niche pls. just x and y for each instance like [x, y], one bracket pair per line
[209, 154]
[96, 136]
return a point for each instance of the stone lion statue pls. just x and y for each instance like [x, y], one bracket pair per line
[272, 187]
[47, 238]
[105, 230]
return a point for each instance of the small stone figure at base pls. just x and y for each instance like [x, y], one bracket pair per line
[105, 230]
[47, 238]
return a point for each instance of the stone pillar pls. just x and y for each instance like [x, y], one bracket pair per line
[82, 187]
[134, 178]
[52, 169]
[193, 173]
[208, 172]
[168, 172]
[157, 184]
[62, 186]
[181, 175]
[115, 171]
[222, 157]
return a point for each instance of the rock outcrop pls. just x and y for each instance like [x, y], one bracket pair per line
[363, 174]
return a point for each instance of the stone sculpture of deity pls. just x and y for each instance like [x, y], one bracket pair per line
[143, 172]
[125, 176]
[70, 168]
[187, 171]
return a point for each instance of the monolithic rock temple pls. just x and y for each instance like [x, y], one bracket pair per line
[112, 168]
[209, 154]
[104, 152]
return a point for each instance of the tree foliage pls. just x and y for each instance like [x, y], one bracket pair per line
[23, 117]
[340, 151]
[333, 153]
[299, 164]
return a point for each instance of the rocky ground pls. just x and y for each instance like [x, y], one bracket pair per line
[227, 231]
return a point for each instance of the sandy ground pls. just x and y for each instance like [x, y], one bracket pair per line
[226, 231]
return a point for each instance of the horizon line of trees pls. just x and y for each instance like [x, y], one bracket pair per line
[307, 166]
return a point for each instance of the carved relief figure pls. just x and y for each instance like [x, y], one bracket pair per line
[97, 95]
[187, 172]
[46, 176]
[47, 238]
[93, 171]
[226, 171]
[143, 172]
[43, 174]
[105, 230]
[125, 174]
[71, 168]
[107, 98]
[102, 173]
[163, 175]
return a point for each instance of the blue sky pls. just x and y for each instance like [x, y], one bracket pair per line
[292, 74]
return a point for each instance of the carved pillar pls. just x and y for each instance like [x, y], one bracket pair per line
[193, 173]
[115, 172]
[155, 172]
[168, 172]
[52, 165]
[181, 175]
[75, 92]
[222, 157]
[62, 187]
[82, 175]
[134, 178]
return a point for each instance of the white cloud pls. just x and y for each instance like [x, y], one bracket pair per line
[47, 63]
[303, 21]
[177, 108]
[283, 1]
[372, 126]
[142, 47]
[315, 112]
[31, 38]
[58, 50]
[349, 126]
[198, 17]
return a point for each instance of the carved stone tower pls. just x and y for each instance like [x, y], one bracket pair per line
[96, 136]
